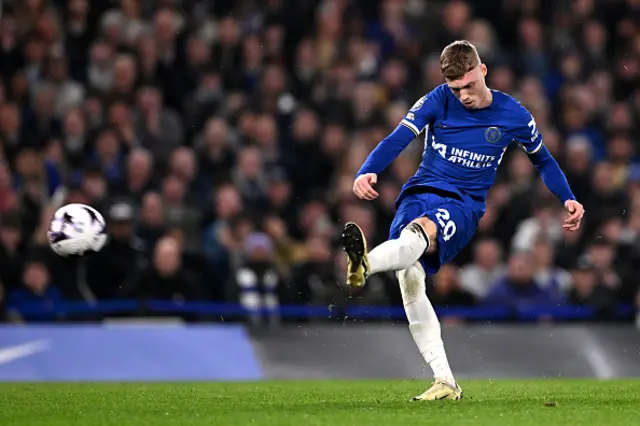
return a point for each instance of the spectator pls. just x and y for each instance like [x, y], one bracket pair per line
[94, 111]
[35, 55]
[578, 160]
[109, 156]
[569, 248]
[545, 222]
[128, 18]
[287, 250]
[477, 277]
[386, 204]
[138, 179]
[117, 266]
[518, 287]
[122, 86]
[183, 165]
[447, 291]
[257, 284]
[80, 32]
[621, 152]
[205, 100]
[314, 280]
[10, 250]
[179, 213]
[589, 291]
[13, 133]
[120, 116]
[164, 278]
[602, 255]
[32, 201]
[158, 128]
[151, 226]
[606, 200]
[94, 187]
[100, 72]
[547, 275]
[218, 243]
[75, 137]
[266, 138]
[249, 178]
[279, 192]
[68, 93]
[37, 299]
[216, 155]
[41, 119]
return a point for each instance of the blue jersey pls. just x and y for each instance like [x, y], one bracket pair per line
[464, 147]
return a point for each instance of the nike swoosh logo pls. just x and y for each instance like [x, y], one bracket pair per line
[13, 353]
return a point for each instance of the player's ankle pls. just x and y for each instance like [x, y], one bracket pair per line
[450, 380]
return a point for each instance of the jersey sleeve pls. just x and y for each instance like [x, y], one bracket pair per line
[526, 132]
[424, 111]
[530, 139]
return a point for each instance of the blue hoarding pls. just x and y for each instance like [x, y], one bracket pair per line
[126, 353]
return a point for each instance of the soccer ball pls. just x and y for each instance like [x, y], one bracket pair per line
[76, 230]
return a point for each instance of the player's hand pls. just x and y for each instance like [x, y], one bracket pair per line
[363, 186]
[576, 213]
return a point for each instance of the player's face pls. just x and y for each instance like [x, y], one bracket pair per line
[471, 89]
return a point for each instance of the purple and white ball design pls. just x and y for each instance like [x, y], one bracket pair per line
[76, 230]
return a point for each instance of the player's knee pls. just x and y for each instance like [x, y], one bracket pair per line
[430, 231]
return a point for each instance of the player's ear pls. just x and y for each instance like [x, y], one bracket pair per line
[483, 69]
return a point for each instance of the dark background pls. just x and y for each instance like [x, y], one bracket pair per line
[220, 140]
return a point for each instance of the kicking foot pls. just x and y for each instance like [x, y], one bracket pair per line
[355, 245]
[440, 390]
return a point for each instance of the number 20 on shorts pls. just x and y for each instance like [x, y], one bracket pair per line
[448, 227]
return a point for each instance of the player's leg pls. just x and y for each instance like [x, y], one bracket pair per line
[415, 240]
[393, 255]
[424, 224]
[401, 255]
[455, 223]
[425, 329]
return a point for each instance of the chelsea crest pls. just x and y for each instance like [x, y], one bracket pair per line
[492, 135]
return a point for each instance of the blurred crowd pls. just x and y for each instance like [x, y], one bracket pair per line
[220, 139]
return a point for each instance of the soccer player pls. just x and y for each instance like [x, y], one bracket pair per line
[468, 128]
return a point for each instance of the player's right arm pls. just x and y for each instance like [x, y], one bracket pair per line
[423, 112]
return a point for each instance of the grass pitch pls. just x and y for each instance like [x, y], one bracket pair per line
[310, 403]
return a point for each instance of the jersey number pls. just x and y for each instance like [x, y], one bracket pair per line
[447, 225]
[534, 129]
[439, 147]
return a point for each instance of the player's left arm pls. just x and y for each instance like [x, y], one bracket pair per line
[530, 139]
